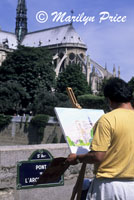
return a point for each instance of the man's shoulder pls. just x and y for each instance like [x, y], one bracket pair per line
[116, 114]
[107, 117]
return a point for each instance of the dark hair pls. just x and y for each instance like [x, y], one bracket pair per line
[117, 90]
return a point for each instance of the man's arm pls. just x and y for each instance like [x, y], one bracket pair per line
[90, 157]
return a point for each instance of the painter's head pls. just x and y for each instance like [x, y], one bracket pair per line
[117, 90]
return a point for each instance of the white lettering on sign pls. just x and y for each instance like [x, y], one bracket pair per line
[41, 156]
[39, 167]
[31, 180]
[26, 181]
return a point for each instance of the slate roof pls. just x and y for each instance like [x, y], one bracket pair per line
[10, 37]
[60, 35]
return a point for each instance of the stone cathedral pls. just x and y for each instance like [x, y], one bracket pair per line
[64, 42]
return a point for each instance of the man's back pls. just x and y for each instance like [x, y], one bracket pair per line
[114, 133]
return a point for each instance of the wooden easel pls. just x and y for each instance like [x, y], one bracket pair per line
[77, 190]
[73, 98]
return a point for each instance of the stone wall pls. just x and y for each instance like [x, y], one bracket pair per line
[10, 155]
[17, 133]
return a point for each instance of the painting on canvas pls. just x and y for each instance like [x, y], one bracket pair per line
[77, 126]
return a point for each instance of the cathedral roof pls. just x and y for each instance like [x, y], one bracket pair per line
[56, 36]
[9, 39]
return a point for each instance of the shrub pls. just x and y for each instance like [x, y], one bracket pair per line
[4, 121]
[36, 128]
[39, 120]
[46, 101]
[93, 102]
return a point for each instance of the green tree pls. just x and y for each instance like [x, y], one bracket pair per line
[72, 77]
[36, 128]
[102, 85]
[45, 102]
[12, 95]
[131, 84]
[5, 120]
[93, 102]
[31, 68]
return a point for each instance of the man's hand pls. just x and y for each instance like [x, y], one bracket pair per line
[72, 159]
[90, 157]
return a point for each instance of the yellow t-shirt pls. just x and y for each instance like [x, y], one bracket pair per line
[114, 133]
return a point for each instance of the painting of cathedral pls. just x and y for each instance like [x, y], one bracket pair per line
[65, 43]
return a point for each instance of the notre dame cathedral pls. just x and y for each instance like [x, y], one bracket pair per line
[64, 42]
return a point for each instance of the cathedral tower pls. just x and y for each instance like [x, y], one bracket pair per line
[21, 20]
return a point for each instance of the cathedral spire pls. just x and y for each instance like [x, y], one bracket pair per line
[114, 71]
[21, 20]
[119, 72]
[105, 66]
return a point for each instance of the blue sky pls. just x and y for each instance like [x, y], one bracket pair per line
[107, 42]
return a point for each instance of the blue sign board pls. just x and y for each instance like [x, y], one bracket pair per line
[28, 172]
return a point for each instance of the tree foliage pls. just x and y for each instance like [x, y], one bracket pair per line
[37, 123]
[45, 102]
[72, 77]
[131, 84]
[12, 97]
[4, 121]
[102, 85]
[93, 102]
[30, 68]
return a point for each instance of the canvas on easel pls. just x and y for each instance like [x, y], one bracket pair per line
[77, 127]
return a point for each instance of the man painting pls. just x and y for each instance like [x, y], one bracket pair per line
[112, 148]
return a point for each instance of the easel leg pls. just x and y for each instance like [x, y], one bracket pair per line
[78, 186]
